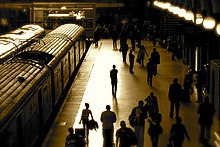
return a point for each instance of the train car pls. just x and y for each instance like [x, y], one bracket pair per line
[33, 82]
[15, 41]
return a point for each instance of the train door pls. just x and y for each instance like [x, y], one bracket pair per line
[65, 70]
[71, 61]
[57, 82]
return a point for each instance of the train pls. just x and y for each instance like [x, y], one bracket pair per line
[19, 39]
[33, 83]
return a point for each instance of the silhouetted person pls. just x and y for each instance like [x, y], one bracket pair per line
[140, 114]
[155, 57]
[97, 35]
[132, 38]
[141, 53]
[85, 119]
[114, 35]
[178, 133]
[175, 94]
[114, 80]
[124, 50]
[150, 72]
[155, 128]
[125, 137]
[152, 104]
[206, 111]
[74, 140]
[108, 118]
[200, 84]
[131, 60]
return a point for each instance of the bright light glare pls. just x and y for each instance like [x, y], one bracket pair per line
[189, 15]
[218, 29]
[209, 23]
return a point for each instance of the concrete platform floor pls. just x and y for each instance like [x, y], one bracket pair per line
[92, 85]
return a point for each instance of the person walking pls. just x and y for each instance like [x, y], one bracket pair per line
[85, 120]
[125, 137]
[124, 50]
[97, 36]
[150, 72]
[108, 118]
[74, 139]
[155, 128]
[178, 133]
[206, 111]
[142, 51]
[131, 60]
[114, 35]
[139, 114]
[114, 80]
[175, 94]
[155, 57]
[152, 104]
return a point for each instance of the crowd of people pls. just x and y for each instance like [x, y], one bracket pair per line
[147, 110]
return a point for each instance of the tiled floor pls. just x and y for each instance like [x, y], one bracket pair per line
[93, 86]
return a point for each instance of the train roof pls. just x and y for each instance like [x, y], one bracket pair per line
[56, 43]
[16, 77]
[19, 76]
[13, 41]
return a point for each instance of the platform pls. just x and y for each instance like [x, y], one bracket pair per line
[92, 85]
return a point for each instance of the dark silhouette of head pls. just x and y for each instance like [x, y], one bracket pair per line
[70, 130]
[178, 120]
[87, 105]
[114, 66]
[206, 99]
[108, 107]
[141, 103]
[175, 80]
[123, 124]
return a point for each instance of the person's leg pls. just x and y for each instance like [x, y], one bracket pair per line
[156, 140]
[171, 108]
[151, 80]
[202, 133]
[141, 136]
[208, 132]
[115, 88]
[112, 87]
[152, 140]
[177, 107]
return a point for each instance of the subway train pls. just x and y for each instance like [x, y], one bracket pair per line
[16, 40]
[33, 83]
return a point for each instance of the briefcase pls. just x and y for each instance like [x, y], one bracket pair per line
[80, 132]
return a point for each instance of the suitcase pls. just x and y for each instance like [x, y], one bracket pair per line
[80, 131]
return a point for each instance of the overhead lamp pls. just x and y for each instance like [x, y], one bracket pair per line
[156, 3]
[199, 19]
[171, 8]
[175, 10]
[166, 5]
[209, 23]
[189, 15]
[218, 29]
[181, 12]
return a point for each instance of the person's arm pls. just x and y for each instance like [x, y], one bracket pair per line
[91, 114]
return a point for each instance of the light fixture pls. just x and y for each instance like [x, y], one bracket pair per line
[189, 15]
[199, 19]
[166, 5]
[181, 12]
[209, 23]
[218, 29]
